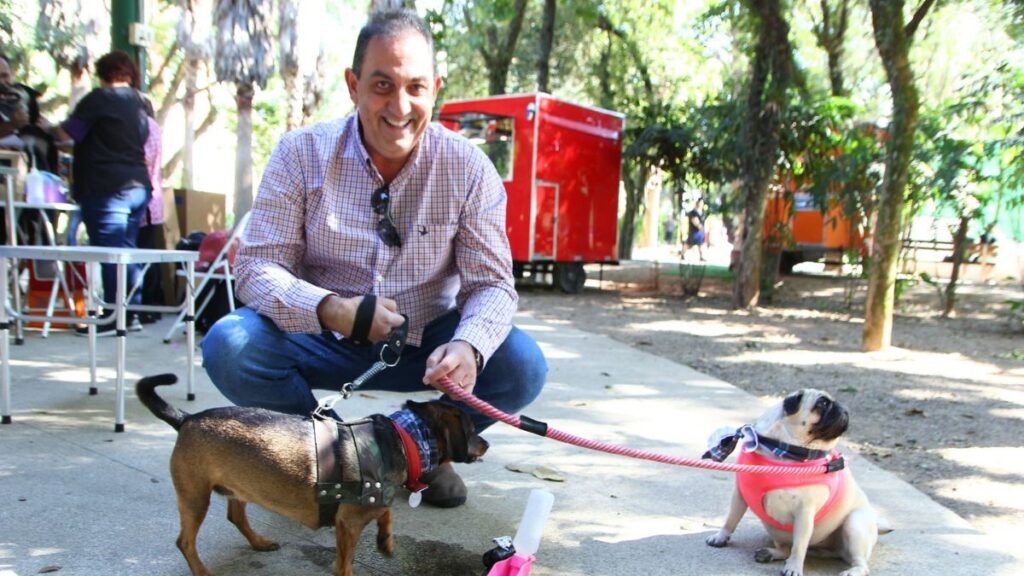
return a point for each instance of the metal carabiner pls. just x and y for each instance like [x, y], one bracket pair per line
[395, 342]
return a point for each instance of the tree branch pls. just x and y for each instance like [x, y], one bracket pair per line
[919, 15]
[172, 163]
[171, 96]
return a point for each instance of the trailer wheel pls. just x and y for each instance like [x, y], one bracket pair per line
[570, 277]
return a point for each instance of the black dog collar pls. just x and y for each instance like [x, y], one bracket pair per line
[791, 451]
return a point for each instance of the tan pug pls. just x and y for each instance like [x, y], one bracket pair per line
[826, 514]
[272, 459]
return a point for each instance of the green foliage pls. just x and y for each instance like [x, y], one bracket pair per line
[969, 156]
[902, 284]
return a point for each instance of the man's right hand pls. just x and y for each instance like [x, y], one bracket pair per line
[339, 314]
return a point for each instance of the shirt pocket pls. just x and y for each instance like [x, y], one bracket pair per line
[432, 248]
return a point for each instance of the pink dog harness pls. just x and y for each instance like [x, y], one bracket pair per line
[754, 487]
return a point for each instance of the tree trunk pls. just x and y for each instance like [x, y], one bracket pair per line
[243, 150]
[831, 34]
[959, 249]
[376, 5]
[547, 40]
[635, 177]
[294, 95]
[172, 164]
[189, 105]
[498, 52]
[893, 43]
[770, 77]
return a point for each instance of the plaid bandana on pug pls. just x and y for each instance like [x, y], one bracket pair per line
[751, 442]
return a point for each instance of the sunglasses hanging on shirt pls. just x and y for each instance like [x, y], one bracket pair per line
[381, 204]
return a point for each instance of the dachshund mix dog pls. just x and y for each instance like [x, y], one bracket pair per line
[318, 473]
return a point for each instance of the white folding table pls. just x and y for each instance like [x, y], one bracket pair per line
[121, 257]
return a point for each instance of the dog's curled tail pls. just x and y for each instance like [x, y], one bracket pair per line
[146, 391]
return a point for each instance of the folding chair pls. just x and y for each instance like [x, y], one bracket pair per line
[219, 269]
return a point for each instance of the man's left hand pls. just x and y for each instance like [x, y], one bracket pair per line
[454, 360]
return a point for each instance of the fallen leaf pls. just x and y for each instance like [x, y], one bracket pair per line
[550, 474]
[50, 568]
[520, 467]
[606, 374]
[914, 412]
[365, 395]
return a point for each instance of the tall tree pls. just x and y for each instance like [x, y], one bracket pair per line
[243, 55]
[376, 5]
[70, 31]
[302, 57]
[770, 77]
[893, 38]
[637, 167]
[547, 41]
[497, 50]
[830, 32]
[194, 37]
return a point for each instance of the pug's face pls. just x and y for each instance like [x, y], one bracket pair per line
[809, 418]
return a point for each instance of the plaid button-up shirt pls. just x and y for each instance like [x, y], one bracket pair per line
[312, 232]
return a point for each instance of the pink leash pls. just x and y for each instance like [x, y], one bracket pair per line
[542, 429]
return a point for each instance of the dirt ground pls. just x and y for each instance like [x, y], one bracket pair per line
[943, 409]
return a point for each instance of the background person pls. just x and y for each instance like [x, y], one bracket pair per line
[380, 202]
[150, 233]
[696, 235]
[109, 127]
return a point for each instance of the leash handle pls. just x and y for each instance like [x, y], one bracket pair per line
[390, 353]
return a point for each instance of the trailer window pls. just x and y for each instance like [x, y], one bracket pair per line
[493, 134]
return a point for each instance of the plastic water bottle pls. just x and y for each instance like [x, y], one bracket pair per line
[34, 184]
[527, 538]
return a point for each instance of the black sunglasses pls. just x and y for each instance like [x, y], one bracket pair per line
[381, 204]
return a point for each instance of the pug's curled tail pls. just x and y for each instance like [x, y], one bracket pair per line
[146, 391]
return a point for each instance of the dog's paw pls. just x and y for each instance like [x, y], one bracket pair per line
[266, 546]
[791, 572]
[767, 554]
[386, 546]
[763, 555]
[856, 571]
[718, 540]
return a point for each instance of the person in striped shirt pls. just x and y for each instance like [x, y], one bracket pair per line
[382, 202]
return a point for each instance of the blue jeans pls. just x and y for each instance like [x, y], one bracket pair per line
[113, 221]
[253, 363]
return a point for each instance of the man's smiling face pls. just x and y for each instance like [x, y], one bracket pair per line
[394, 95]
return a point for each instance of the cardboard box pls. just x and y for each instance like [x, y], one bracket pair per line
[198, 211]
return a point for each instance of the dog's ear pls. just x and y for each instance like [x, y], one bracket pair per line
[791, 405]
[456, 434]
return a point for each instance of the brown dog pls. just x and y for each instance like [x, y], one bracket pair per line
[274, 460]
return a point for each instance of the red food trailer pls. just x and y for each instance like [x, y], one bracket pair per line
[561, 164]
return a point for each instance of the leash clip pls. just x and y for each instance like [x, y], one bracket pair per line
[325, 406]
[394, 343]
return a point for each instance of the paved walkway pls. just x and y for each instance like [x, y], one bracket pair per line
[77, 499]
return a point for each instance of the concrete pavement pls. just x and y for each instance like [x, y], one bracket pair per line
[78, 499]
